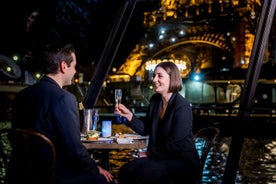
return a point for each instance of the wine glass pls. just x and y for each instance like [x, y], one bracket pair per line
[118, 100]
[118, 96]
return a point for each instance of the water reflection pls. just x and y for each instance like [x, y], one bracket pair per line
[258, 161]
[257, 164]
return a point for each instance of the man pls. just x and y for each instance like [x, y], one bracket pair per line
[47, 108]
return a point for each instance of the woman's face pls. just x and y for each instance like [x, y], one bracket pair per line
[161, 81]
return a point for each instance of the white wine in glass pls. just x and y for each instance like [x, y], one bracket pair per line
[118, 100]
[118, 96]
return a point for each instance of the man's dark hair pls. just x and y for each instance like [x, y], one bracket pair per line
[54, 54]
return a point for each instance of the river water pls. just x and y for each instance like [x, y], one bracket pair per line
[257, 163]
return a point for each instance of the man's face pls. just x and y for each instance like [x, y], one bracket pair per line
[70, 71]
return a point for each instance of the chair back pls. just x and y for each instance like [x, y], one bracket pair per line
[204, 140]
[32, 150]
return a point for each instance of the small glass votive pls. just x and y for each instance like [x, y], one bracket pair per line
[106, 128]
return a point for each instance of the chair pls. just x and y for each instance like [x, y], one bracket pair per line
[31, 148]
[204, 140]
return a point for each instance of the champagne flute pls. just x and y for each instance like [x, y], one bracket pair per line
[118, 96]
[118, 100]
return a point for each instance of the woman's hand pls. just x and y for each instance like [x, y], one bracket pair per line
[108, 176]
[123, 111]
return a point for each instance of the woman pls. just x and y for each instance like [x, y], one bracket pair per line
[171, 155]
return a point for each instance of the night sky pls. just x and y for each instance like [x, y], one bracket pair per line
[86, 24]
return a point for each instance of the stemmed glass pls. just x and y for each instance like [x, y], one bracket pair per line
[118, 96]
[118, 100]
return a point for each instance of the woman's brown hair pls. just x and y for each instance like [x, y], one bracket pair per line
[174, 73]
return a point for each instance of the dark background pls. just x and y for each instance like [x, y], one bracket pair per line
[86, 24]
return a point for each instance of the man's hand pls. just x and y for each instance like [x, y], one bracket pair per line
[108, 176]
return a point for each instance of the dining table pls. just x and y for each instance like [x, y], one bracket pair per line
[105, 145]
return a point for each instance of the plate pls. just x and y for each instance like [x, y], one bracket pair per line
[100, 140]
[124, 140]
[140, 137]
[135, 136]
[132, 136]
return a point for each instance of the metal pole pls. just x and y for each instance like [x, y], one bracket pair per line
[256, 59]
[107, 57]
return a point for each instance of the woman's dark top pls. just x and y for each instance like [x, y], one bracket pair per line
[170, 138]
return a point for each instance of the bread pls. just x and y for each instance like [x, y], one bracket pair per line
[92, 135]
[90, 138]
[121, 135]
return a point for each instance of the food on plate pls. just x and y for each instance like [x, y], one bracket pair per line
[92, 135]
[121, 135]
